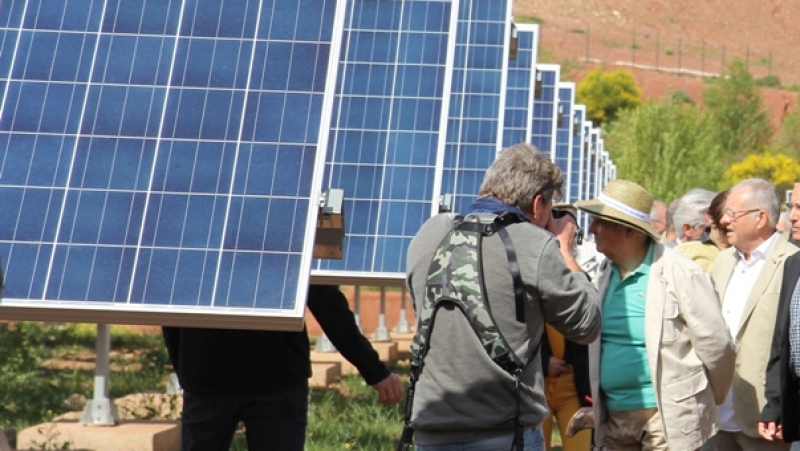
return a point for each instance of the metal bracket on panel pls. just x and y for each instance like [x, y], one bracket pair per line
[329, 239]
[446, 203]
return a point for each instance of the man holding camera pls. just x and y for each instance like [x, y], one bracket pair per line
[462, 395]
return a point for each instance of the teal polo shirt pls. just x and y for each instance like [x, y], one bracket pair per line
[624, 372]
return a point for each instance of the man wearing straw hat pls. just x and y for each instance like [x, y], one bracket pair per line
[664, 358]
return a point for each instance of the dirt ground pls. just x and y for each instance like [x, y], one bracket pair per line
[762, 32]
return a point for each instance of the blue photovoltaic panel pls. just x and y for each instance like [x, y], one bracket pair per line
[519, 89]
[543, 129]
[576, 189]
[161, 157]
[586, 175]
[594, 162]
[386, 127]
[477, 101]
[563, 149]
[603, 172]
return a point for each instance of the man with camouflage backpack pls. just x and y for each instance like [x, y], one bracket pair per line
[489, 282]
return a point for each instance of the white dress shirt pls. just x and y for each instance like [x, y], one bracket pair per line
[744, 276]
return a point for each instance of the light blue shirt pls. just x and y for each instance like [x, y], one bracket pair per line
[624, 371]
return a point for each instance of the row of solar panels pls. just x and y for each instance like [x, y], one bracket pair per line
[164, 162]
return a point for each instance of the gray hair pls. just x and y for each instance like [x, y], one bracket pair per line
[519, 174]
[761, 194]
[671, 213]
[655, 214]
[692, 209]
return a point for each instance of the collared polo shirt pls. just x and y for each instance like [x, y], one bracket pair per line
[624, 370]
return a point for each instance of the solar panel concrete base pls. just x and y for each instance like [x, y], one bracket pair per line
[126, 436]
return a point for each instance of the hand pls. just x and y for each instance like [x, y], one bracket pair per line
[556, 366]
[390, 390]
[770, 430]
[564, 228]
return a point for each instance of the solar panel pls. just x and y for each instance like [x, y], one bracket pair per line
[160, 159]
[386, 130]
[578, 156]
[543, 129]
[474, 132]
[520, 86]
[562, 156]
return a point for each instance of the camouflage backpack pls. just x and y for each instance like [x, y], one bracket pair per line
[456, 278]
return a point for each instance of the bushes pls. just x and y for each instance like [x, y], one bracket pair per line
[607, 94]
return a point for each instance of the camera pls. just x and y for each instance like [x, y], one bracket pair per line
[559, 213]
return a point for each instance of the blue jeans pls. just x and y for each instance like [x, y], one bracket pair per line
[534, 441]
[272, 422]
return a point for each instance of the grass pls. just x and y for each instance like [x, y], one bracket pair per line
[528, 18]
[345, 416]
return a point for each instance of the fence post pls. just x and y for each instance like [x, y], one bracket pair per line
[703, 60]
[769, 64]
[747, 59]
[633, 49]
[587, 43]
[723, 59]
[658, 41]
[680, 54]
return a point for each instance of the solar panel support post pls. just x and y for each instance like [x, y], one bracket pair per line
[402, 326]
[357, 306]
[382, 332]
[100, 410]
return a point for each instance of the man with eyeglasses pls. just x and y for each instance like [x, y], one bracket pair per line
[780, 418]
[748, 279]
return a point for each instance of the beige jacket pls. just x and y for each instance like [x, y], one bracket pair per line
[689, 350]
[755, 330]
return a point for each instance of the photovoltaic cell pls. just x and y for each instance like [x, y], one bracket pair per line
[563, 148]
[519, 89]
[387, 127]
[543, 129]
[577, 129]
[477, 101]
[161, 156]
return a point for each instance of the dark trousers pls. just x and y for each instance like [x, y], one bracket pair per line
[275, 422]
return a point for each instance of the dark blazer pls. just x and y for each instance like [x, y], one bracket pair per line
[576, 355]
[782, 388]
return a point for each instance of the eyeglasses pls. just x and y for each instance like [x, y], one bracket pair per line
[734, 215]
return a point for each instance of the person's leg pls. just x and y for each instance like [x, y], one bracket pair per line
[626, 429]
[568, 404]
[278, 420]
[654, 437]
[721, 441]
[208, 422]
[551, 395]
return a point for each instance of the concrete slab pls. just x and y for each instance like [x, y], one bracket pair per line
[345, 367]
[139, 435]
[387, 350]
[324, 373]
[403, 344]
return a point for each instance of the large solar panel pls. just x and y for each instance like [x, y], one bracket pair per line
[160, 159]
[519, 89]
[477, 101]
[385, 132]
[543, 130]
[562, 156]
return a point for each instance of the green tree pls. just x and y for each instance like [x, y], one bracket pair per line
[787, 140]
[667, 147]
[607, 93]
[781, 170]
[737, 106]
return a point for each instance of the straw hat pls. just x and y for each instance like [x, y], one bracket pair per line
[623, 202]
